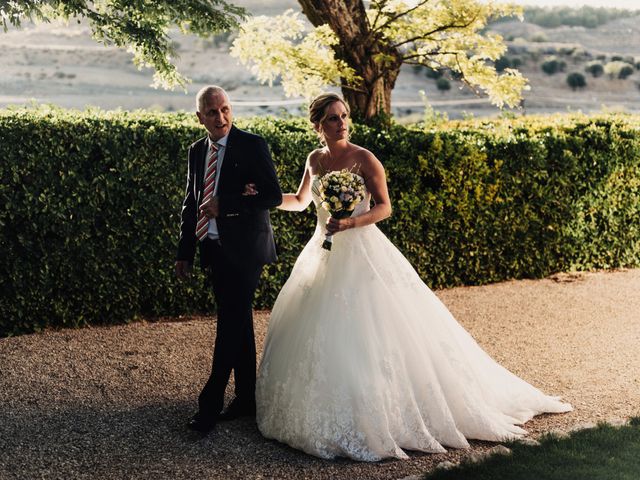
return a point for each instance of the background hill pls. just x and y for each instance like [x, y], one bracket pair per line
[63, 65]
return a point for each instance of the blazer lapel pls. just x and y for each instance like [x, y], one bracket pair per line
[228, 155]
[200, 158]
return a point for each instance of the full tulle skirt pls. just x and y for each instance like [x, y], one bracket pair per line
[362, 360]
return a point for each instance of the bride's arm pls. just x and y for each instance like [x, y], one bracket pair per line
[302, 198]
[376, 182]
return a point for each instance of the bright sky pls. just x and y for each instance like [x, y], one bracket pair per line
[628, 4]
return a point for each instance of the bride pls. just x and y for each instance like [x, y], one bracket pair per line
[361, 359]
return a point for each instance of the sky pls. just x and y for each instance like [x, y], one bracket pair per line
[628, 4]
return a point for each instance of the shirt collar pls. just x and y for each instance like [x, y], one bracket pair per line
[222, 142]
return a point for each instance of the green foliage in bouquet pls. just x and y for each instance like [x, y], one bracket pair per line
[90, 204]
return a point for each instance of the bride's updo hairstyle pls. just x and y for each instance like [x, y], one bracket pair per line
[318, 110]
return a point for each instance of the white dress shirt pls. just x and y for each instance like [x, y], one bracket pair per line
[222, 146]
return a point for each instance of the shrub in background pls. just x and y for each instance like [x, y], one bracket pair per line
[433, 73]
[553, 65]
[595, 68]
[576, 80]
[502, 63]
[617, 69]
[90, 205]
[89, 208]
[443, 84]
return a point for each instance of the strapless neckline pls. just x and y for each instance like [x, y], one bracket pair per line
[317, 175]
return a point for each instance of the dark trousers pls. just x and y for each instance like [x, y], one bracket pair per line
[235, 346]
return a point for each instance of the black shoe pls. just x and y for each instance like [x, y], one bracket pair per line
[201, 424]
[237, 409]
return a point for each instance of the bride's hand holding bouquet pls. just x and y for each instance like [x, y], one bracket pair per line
[340, 192]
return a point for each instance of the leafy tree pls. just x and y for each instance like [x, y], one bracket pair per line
[435, 74]
[595, 68]
[443, 84]
[626, 71]
[502, 63]
[140, 26]
[361, 48]
[507, 62]
[568, 51]
[617, 69]
[576, 80]
[417, 69]
[553, 65]
[539, 38]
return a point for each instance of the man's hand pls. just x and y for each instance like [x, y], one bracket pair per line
[211, 208]
[250, 190]
[183, 269]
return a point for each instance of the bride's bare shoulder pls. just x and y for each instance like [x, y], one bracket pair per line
[315, 159]
[365, 160]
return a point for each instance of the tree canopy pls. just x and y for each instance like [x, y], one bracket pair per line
[141, 26]
[362, 49]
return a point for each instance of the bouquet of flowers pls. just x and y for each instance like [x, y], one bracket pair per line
[340, 192]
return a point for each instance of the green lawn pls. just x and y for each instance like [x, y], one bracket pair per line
[602, 453]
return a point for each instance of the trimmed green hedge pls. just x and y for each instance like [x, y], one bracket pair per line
[90, 206]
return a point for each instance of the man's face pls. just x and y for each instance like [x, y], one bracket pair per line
[216, 115]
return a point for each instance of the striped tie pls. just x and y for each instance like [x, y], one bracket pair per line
[202, 227]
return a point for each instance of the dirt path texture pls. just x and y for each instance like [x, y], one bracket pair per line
[112, 402]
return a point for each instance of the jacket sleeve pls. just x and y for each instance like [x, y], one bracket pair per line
[269, 193]
[188, 215]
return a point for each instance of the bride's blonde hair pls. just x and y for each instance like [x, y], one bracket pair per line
[318, 110]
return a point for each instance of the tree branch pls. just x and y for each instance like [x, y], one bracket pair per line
[348, 86]
[463, 79]
[408, 58]
[142, 25]
[379, 7]
[427, 34]
[393, 18]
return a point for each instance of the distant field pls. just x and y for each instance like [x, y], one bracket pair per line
[63, 65]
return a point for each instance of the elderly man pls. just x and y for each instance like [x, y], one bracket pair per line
[234, 234]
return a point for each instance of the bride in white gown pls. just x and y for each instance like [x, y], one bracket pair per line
[361, 359]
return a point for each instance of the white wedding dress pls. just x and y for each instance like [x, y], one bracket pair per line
[362, 360]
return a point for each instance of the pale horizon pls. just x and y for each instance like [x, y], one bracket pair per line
[626, 4]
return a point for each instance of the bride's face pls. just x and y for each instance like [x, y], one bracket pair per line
[335, 125]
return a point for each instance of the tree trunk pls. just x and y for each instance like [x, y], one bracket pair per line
[358, 47]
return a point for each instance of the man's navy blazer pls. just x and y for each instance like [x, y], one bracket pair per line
[244, 226]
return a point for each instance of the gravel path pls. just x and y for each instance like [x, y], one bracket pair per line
[111, 402]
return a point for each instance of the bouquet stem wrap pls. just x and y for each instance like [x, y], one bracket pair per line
[328, 238]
